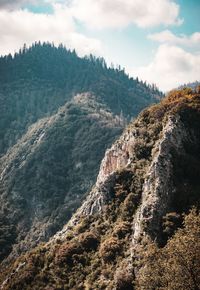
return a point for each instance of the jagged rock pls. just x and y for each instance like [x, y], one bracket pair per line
[158, 186]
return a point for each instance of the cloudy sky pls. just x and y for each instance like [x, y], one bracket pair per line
[157, 40]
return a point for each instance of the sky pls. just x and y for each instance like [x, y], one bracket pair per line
[156, 40]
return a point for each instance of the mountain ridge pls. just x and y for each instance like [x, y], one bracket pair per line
[37, 81]
[59, 113]
[21, 163]
[145, 184]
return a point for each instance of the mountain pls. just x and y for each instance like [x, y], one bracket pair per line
[37, 81]
[193, 85]
[45, 174]
[58, 114]
[130, 232]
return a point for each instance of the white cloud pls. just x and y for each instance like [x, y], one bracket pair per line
[167, 36]
[22, 26]
[120, 13]
[171, 67]
[176, 61]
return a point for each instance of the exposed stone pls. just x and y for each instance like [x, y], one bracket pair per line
[158, 186]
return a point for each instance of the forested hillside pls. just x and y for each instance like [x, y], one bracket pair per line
[58, 114]
[193, 85]
[37, 81]
[139, 227]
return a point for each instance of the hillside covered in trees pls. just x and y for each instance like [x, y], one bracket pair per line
[37, 81]
[58, 114]
[139, 227]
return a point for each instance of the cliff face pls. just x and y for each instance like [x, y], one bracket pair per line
[150, 174]
[158, 186]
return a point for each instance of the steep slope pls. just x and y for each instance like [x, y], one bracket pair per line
[58, 114]
[147, 179]
[45, 175]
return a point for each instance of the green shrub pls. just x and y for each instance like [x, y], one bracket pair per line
[66, 251]
[109, 249]
[176, 266]
[124, 280]
[122, 229]
[88, 241]
[171, 221]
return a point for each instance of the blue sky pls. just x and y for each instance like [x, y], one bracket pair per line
[157, 40]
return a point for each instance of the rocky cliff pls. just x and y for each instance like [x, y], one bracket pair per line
[148, 178]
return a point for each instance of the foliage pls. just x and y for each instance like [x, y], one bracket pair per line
[122, 229]
[49, 178]
[58, 114]
[109, 249]
[99, 253]
[38, 80]
[177, 265]
[124, 280]
[171, 221]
